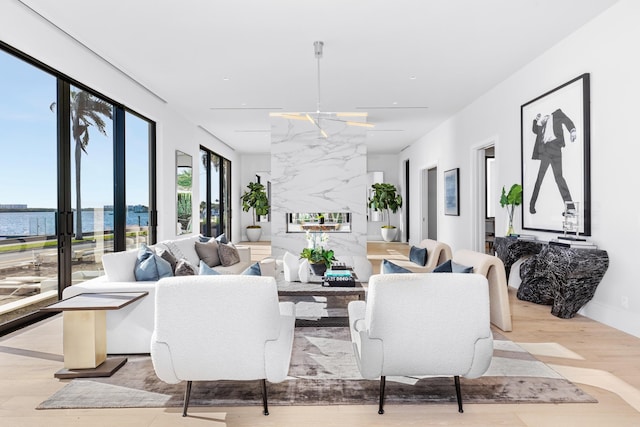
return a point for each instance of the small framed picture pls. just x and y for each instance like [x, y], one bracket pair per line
[452, 192]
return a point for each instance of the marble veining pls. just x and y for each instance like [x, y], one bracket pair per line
[310, 173]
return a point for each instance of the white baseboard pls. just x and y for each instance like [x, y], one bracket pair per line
[619, 318]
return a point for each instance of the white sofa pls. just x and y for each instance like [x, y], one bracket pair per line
[129, 329]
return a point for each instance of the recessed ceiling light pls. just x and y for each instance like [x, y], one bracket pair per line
[226, 79]
[412, 77]
[395, 103]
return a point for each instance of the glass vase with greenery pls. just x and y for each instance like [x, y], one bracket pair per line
[511, 199]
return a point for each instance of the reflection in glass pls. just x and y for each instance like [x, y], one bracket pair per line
[328, 222]
[28, 194]
[184, 179]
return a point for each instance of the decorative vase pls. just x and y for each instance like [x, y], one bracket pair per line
[254, 233]
[318, 268]
[388, 234]
[510, 229]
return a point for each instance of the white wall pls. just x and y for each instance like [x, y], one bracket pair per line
[604, 48]
[27, 32]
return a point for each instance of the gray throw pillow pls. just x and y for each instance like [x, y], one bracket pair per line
[166, 255]
[452, 267]
[389, 268]
[228, 254]
[208, 252]
[184, 268]
[418, 255]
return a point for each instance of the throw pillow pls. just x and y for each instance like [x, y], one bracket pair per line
[205, 270]
[150, 267]
[452, 267]
[166, 255]
[185, 268]
[208, 252]
[203, 238]
[418, 255]
[389, 268]
[228, 254]
[254, 270]
[222, 239]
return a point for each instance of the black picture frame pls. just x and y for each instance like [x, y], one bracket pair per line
[452, 192]
[556, 161]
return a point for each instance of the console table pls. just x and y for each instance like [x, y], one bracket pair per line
[565, 278]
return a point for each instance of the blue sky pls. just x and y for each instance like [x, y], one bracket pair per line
[28, 169]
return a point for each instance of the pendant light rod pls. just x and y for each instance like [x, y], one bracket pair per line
[318, 48]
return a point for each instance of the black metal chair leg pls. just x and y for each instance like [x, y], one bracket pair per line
[458, 393]
[383, 381]
[187, 395]
[264, 398]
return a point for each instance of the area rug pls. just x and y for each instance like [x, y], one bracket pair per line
[324, 372]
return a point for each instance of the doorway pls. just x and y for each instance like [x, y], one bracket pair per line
[484, 197]
[429, 223]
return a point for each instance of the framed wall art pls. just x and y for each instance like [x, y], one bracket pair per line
[555, 136]
[452, 192]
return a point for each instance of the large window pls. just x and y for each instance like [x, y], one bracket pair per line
[215, 194]
[76, 175]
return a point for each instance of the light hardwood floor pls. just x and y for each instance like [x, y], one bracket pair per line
[609, 371]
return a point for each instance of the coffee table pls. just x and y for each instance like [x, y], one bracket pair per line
[316, 289]
[85, 333]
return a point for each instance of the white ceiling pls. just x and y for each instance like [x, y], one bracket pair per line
[410, 64]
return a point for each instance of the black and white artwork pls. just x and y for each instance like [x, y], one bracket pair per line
[555, 157]
[451, 192]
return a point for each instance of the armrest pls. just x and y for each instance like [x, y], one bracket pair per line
[278, 352]
[245, 253]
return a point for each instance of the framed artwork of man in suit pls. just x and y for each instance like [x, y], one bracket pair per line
[555, 157]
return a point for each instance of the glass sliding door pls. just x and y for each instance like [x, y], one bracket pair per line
[215, 193]
[137, 190]
[28, 189]
[92, 183]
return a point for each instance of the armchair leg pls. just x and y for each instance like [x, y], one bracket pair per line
[264, 397]
[458, 393]
[383, 381]
[187, 395]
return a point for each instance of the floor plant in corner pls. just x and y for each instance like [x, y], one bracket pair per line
[385, 198]
[255, 199]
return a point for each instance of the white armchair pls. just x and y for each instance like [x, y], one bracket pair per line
[227, 327]
[422, 324]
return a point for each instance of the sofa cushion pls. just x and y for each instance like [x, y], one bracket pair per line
[253, 270]
[185, 268]
[418, 255]
[205, 270]
[151, 267]
[208, 252]
[119, 266]
[389, 268]
[184, 248]
[228, 254]
[452, 267]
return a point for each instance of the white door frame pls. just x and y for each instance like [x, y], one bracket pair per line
[477, 186]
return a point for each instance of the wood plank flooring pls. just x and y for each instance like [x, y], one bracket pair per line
[610, 363]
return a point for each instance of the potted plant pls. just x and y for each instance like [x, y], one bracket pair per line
[255, 198]
[320, 259]
[511, 199]
[384, 198]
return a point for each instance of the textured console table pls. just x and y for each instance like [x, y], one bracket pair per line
[565, 278]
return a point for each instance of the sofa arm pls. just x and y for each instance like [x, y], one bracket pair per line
[245, 253]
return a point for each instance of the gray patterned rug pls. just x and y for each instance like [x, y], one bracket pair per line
[324, 372]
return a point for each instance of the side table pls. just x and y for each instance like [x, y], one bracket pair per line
[85, 333]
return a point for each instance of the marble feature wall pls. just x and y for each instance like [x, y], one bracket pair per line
[310, 173]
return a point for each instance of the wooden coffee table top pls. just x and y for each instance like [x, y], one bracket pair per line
[96, 301]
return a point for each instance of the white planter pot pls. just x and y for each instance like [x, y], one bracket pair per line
[389, 234]
[253, 234]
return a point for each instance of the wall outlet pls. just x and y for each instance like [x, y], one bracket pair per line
[624, 301]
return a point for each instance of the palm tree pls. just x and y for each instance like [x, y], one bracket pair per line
[86, 110]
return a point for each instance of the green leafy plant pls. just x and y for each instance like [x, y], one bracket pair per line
[255, 198]
[511, 199]
[385, 198]
[318, 255]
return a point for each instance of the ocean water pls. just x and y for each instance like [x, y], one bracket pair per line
[44, 224]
